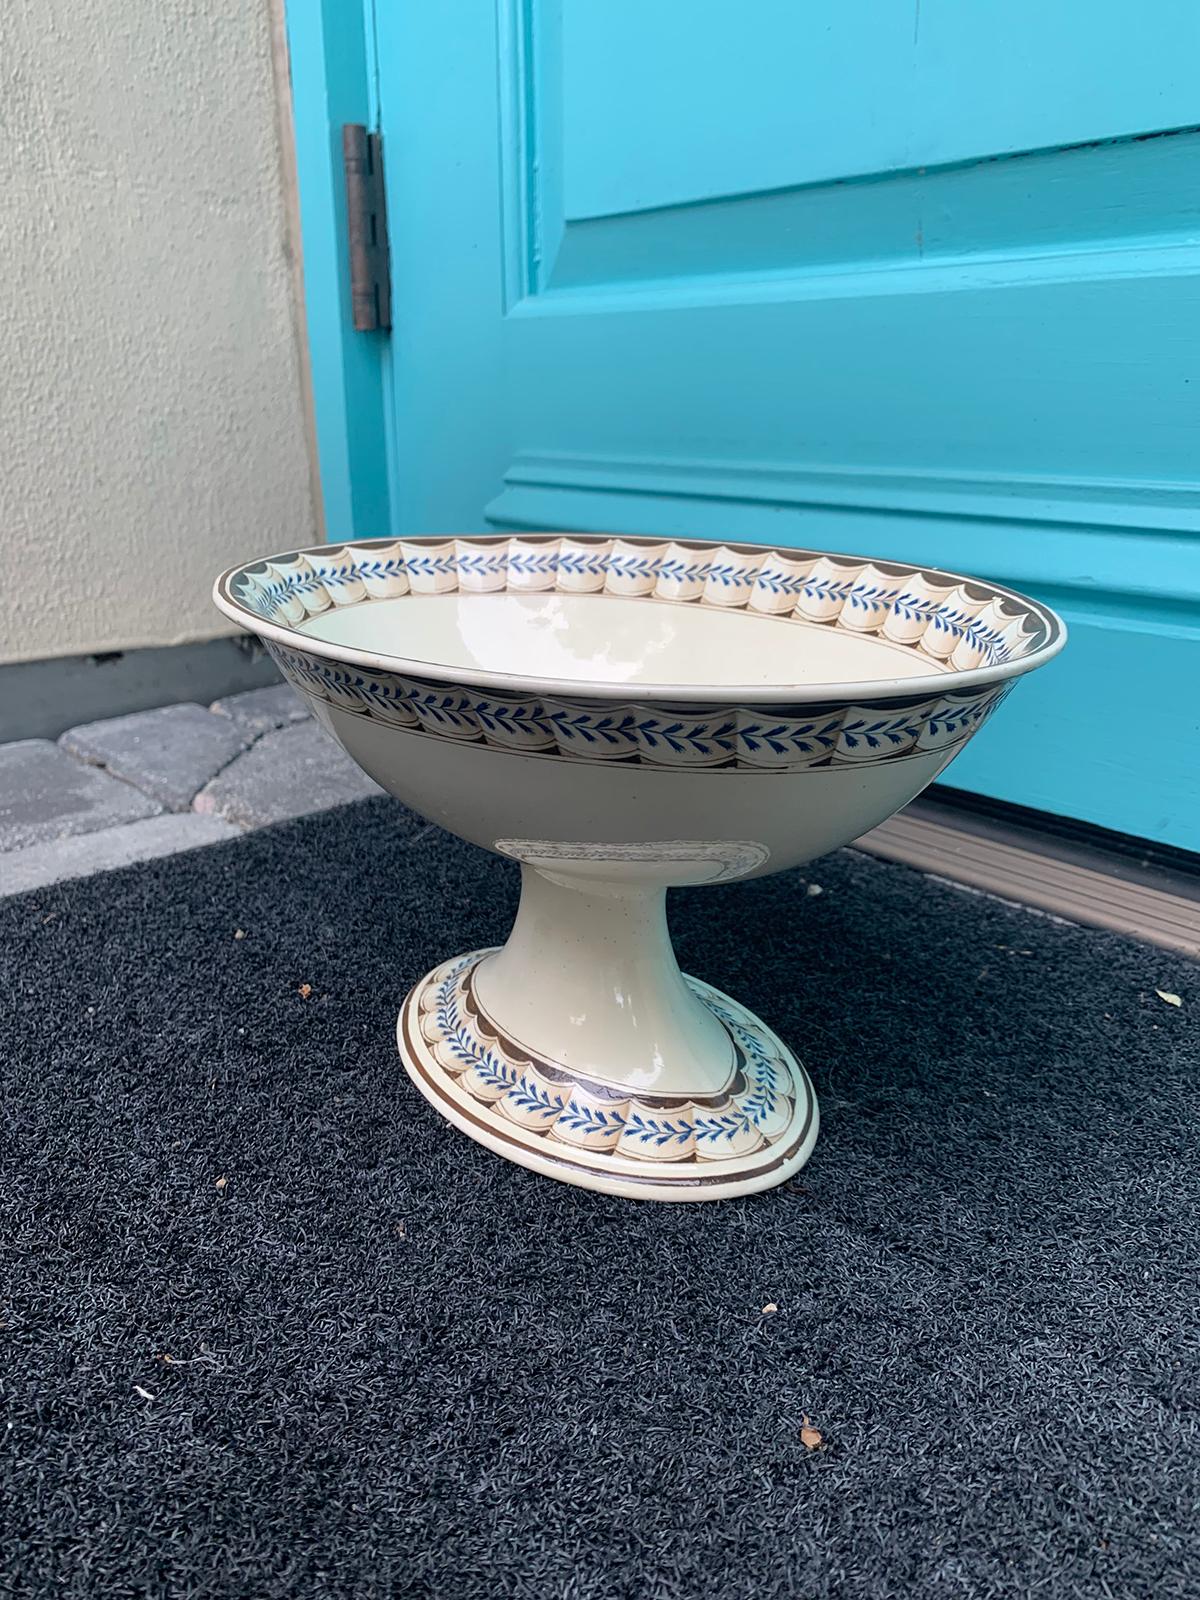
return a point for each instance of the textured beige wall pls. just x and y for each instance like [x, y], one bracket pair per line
[152, 416]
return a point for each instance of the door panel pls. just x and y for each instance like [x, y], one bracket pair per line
[775, 95]
[1036, 206]
[829, 278]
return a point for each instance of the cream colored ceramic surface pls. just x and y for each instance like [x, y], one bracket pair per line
[982, 633]
[598, 639]
[493, 796]
[621, 717]
[752, 1133]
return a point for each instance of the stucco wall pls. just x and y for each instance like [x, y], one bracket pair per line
[152, 416]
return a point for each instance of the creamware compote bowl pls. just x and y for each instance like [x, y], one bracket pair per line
[619, 716]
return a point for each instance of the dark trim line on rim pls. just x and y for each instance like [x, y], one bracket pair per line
[975, 705]
[681, 694]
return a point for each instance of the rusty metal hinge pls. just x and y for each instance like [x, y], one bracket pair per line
[366, 218]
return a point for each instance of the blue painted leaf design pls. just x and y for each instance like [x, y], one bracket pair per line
[588, 1119]
[657, 1131]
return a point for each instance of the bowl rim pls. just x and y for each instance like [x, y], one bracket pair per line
[945, 681]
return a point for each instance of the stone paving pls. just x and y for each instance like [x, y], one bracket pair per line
[45, 795]
[168, 754]
[134, 787]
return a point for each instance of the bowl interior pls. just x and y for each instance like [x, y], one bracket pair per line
[609, 615]
[613, 639]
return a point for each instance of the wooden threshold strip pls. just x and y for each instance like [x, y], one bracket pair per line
[1036, 876]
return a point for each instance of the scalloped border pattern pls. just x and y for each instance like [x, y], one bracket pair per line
[540, 1098]
[953, 624]
[765, 739]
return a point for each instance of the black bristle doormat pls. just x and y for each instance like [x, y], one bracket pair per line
[270, 1328]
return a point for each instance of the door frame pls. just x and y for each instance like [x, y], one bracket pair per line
[333, 80]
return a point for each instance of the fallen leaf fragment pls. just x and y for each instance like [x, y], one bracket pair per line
[304, 990]
[145, 1393]
[810, 1437]
[1171, 999]
[770, 1308]
[220, 1183]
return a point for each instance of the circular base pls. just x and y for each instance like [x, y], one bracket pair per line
[753, 1136]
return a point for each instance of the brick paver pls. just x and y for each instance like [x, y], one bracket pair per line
[44, 795]
[261, 710]
[169, 754]
[285, 774]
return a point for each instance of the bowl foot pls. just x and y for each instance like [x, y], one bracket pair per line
[755, 1133]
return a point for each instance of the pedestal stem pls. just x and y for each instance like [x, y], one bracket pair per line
[588, 980]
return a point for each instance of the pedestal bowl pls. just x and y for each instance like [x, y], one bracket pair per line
[620, 716]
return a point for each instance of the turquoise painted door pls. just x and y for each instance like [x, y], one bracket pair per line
[906, 280]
